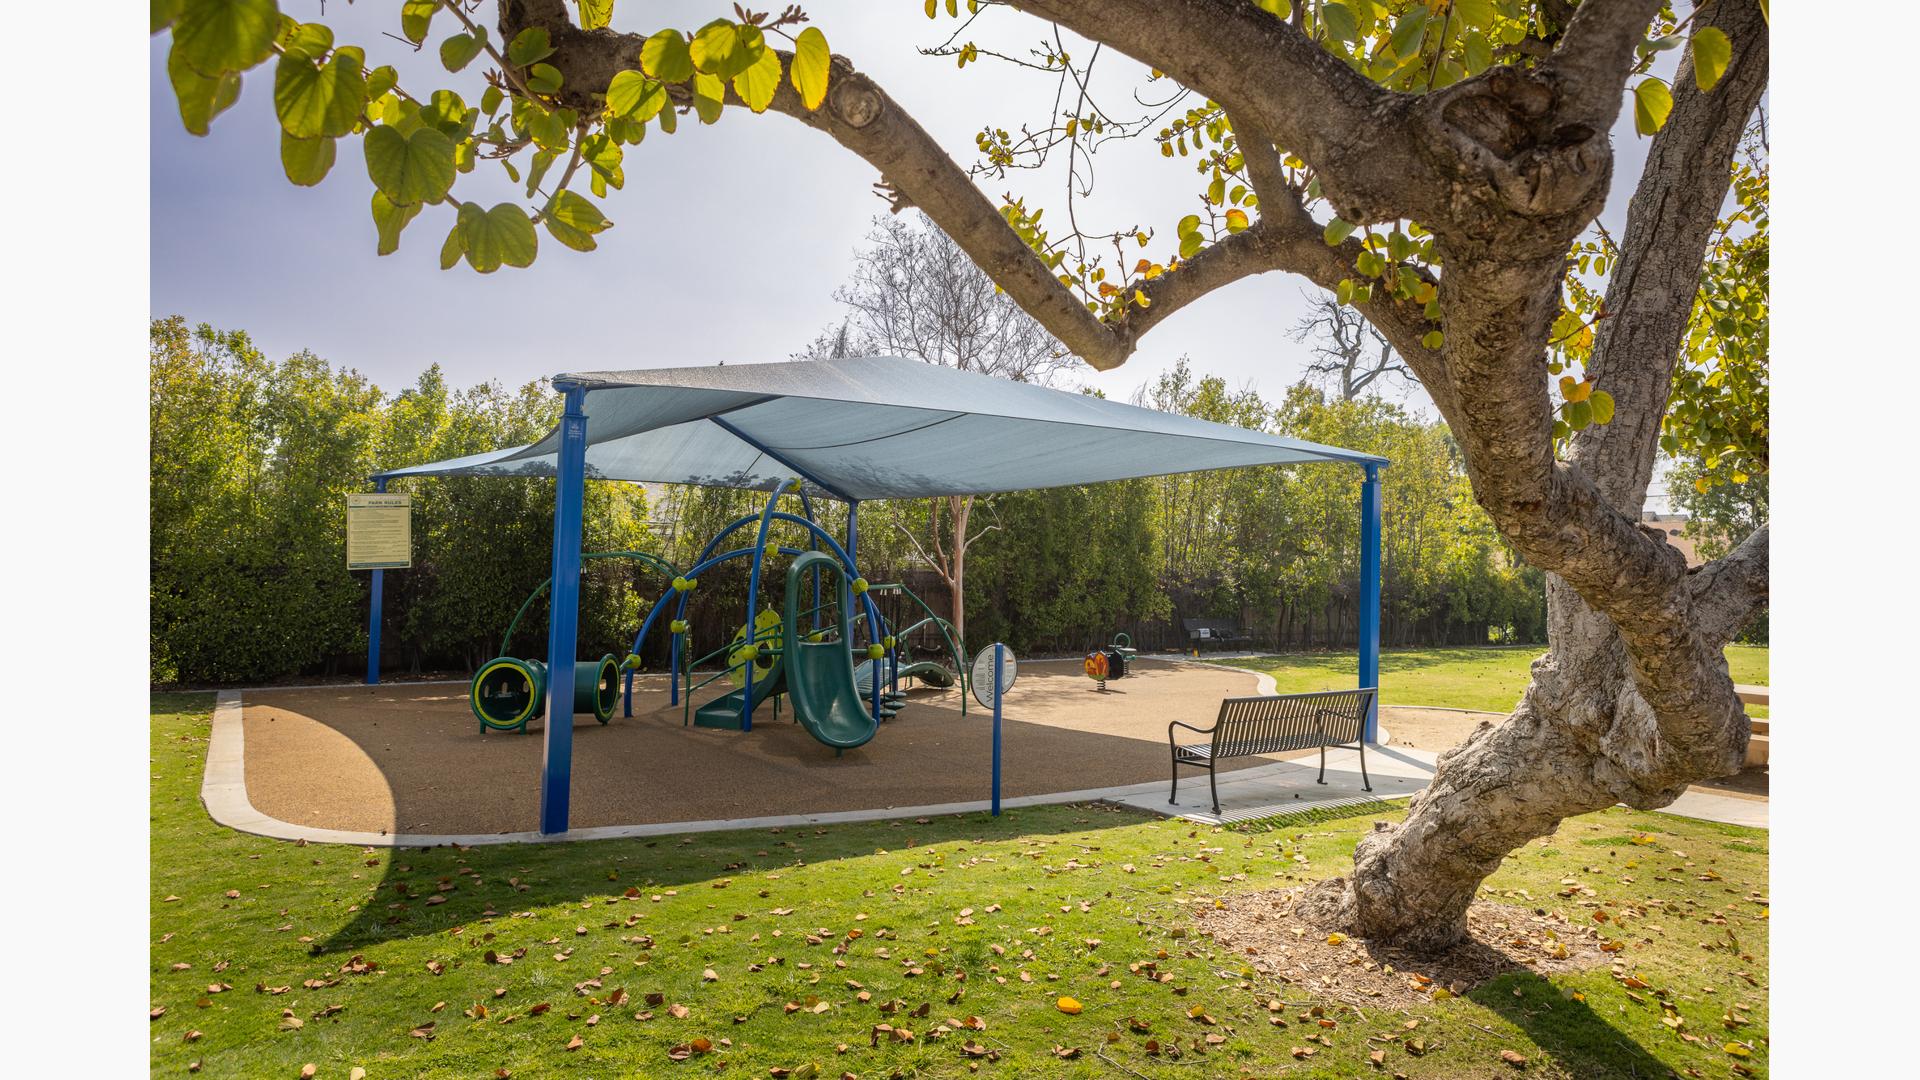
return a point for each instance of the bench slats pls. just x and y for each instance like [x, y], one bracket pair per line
[1251, 726]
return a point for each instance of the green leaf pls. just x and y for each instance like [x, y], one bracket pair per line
[543, 79]
[757, 84]
[217, 36]
[573, 221]
[1409, 32]
[528, 46]
[1652, 101]
[725, 49]
[162, 13]
[491, 99]
[201, 97]
[389, 219]
[313, 39]
[635, 97]
[666, 57]
[306, 161]
[412, 168]
[455, 246]
[315, 101]
[709, 97]
[1602, 403]
[603, 155]
[1236, 220]
[595, 14]
[1711, 54]
[1337, 231]
[1433, 339]
[380, 80]
[1579, 414]
[415, 16]
[502, 236]
[1340, 21]
[1190, 244]
[811, 63]
[459, 50]
[1188, 224]
[1281, 9]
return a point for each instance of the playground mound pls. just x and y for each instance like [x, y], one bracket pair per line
[411, 758]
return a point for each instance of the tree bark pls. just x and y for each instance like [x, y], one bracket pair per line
[1631, 704]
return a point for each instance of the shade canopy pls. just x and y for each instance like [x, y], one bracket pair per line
[875, 427]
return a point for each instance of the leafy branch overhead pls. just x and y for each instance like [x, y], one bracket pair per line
[417, 145]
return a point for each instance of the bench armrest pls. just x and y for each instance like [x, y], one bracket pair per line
[1189, 727]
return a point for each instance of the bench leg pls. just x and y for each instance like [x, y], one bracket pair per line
[1323, 764]
[1173, 793]
[1364, 781]
[1213, 787]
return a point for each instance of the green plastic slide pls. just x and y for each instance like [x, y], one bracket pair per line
[724, 711]
[819, 674]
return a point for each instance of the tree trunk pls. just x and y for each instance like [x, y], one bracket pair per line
[1581, 740]
[957, 580]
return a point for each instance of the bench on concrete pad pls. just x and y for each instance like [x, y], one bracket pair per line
[1278, 724]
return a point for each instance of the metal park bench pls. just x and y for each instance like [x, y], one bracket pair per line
[1252, 726]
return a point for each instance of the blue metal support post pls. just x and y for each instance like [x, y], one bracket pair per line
[373, 612]
[556, 768]
[1370, 594]
[999, 667]
[853, 554]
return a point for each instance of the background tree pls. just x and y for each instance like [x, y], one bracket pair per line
[1349, 355]
[1463, 151]
[914, 293]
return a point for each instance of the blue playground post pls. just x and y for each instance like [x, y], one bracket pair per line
[1370, 594]
[873, 616]
[999, 666]
[373, 612]
[563, 629]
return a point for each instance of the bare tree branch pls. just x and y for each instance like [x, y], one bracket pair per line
[1727, 591]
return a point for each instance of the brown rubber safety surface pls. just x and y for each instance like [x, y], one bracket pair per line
[412, 758]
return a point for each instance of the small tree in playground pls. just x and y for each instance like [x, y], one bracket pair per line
[915, 293]
[1436, 165]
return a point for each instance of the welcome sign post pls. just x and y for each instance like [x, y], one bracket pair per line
[379, 538]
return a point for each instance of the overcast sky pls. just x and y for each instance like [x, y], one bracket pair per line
[728, 242]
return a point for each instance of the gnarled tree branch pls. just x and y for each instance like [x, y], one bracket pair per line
[1649, 300]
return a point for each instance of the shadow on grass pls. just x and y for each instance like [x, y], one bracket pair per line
[594, 877]
[1580, 1041]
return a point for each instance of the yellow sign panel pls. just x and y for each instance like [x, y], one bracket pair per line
[379, 531]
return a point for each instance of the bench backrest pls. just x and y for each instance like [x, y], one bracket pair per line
[1276, 724]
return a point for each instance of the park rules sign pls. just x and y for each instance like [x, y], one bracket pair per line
[379, 531]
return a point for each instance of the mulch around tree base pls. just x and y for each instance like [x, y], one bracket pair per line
[1260, 930]
[412, 758]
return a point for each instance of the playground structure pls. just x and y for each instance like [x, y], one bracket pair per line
[792, 652]
[852, 429]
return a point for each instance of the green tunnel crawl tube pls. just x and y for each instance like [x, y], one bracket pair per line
[507, 692]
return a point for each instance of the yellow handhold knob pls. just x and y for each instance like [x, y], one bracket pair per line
[678, 626]
[875, 652]
[859, 585]
[888, 641]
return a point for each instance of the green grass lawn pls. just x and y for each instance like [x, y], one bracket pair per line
[394, 961]
[1488, 680]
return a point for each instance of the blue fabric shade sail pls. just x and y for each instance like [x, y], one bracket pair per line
[875, 427]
